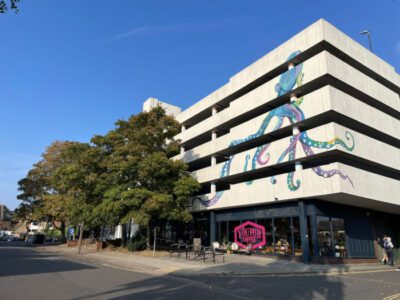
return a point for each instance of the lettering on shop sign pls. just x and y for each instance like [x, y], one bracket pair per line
[250, 233]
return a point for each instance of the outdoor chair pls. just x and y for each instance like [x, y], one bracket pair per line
[201, 252]
[178, 248]
[217, 247]
[212, 252]
[195, 248]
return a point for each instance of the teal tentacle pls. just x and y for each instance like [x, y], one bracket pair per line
[290, 176]
[304, 138]
[245, 168]
[226, 168]
[259, 132]
[246, 163]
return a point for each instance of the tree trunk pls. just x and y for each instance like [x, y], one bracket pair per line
[148, 237]
[123, 241]
[80, 238]
[63, 231]
[61, 228]
[27, 229]
[129, 230]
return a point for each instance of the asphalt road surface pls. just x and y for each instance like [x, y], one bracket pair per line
[28, 274]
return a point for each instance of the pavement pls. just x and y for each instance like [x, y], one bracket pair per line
[58, 272]
[234, 265]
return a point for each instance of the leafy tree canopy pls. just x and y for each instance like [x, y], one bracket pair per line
[7, 215]
[9, 5]
[45, 193]
[123, 175]
[145, 183]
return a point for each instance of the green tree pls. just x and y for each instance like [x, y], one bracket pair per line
[12, 5]
[6, 214]
[44, 198]
[32, 190]
[24, 212]
[126, 174]
[79, 181]
[144, 183]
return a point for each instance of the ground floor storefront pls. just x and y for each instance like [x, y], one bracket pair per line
[310, 230]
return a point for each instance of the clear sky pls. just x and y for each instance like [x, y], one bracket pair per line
[70, 69]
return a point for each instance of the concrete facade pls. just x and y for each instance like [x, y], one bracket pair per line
[314, 123]
[171, 110]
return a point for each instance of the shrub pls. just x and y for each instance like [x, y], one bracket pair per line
[137, 243]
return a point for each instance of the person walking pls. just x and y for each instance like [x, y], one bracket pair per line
[389, 251]
[382, 243]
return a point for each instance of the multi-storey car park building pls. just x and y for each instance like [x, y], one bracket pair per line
[305, 142]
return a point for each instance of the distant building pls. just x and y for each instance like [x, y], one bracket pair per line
[304, 142]
[5, 225]
[37, 227]
[5, 218]
[170, 110]
[20, 228]
[2, 211]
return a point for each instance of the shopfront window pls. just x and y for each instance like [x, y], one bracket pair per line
[231, 228]
[269, 235]
[283, 236]
[222, 233]
[201, 230]
[331, 237]
[324, 236]
[339, 237]
[298, 251]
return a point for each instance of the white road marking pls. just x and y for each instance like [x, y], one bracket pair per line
[392, 297]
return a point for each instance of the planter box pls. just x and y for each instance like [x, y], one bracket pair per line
[99, 246]
[72, 243]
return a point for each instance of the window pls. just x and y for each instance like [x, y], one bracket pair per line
[331, 237]
[283, 236]
[269, 235]
[222, 235]
[339, 237]
[231, 229]
[298, 250]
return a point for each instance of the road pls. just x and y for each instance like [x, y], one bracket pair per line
[29, 274]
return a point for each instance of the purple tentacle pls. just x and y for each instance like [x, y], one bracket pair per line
[210, 202]
[291, 147]
[329, 173]
[325, 173]
[260, 160]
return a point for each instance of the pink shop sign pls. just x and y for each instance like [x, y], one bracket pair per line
[250, 233]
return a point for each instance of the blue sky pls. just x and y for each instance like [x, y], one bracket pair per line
[70, 69]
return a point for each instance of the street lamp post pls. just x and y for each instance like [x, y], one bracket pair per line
[366, 32]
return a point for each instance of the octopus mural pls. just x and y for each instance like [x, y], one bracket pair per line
[293, 113]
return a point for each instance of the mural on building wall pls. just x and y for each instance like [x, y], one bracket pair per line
[293, 113]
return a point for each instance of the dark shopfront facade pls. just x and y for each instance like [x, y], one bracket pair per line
[311, 230]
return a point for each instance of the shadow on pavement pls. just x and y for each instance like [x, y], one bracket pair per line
[18, 260]
[196, 286]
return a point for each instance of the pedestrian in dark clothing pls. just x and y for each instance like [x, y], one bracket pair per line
[389, 250]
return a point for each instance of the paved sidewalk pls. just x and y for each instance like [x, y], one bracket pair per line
[235, 265]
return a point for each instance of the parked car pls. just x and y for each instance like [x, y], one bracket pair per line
[50, 239]
[29, 240]
[38, 238]
[4, 238]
